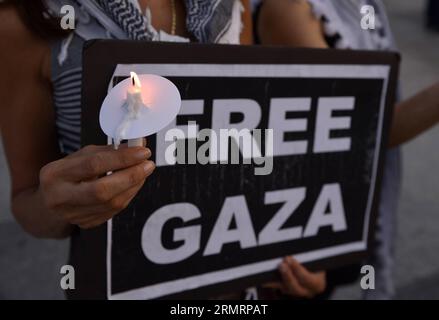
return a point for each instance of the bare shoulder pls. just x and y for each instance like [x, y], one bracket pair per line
[290, 22]
[22, 49]
[298, 8]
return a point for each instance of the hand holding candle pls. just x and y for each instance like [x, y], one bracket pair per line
[75, 190]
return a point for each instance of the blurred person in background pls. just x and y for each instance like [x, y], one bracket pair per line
[337, 24]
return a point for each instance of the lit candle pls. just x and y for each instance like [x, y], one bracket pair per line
[132, 105]
[134, 96]
[138, 107]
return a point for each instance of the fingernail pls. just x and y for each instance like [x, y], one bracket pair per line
[141, 154]
[148, 153]
[148, 166]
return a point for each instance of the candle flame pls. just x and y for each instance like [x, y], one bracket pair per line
[135, 79]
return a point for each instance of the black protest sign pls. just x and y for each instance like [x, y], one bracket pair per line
[305, 185]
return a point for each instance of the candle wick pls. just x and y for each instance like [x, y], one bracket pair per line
[134, 82]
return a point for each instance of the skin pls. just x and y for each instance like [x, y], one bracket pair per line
[52, 193]
[299, 282]
[292, 23]
[164, 21]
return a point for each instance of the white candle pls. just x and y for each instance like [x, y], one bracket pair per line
[134, 96]
[138, 107]
[133, 104]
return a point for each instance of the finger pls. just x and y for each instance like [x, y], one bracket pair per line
[121, 146]
[103, 190]
[98, 214]
[95, 222]
[82, 214]
[100, 219]
[88, 166]
[90, 149]
[290, 282]
[109, 187]
[306, 278]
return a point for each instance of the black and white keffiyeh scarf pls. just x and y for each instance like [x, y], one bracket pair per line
[207, 20]
[128, 17]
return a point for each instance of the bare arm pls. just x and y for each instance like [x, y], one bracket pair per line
[415, 115]
[50, 193]
[247, 30]
[27, 121]
[291, 22]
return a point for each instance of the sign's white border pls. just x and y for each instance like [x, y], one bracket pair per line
[248, 71]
